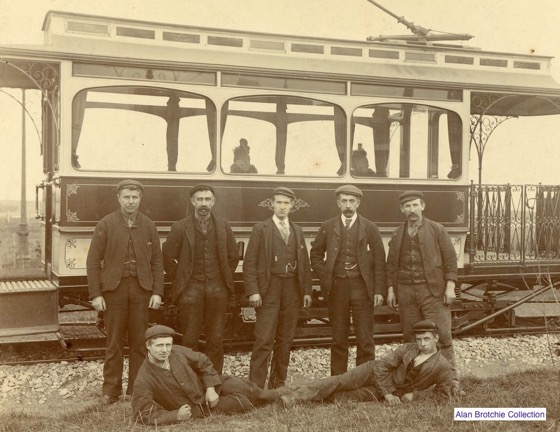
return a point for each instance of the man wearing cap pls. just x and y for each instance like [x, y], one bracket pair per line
[125, 278]
[352, 276]
[177, 384]
[200, 256]
[422, 264]
[277, 281]
[396, 378]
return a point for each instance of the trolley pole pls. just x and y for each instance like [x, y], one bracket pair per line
[23, 233]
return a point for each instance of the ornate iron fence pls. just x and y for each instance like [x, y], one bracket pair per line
[514, 224]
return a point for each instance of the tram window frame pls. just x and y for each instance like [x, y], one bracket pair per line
[272, 134]
[173, 113]
[401, 146]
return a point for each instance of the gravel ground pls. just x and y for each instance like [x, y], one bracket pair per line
[50, 389]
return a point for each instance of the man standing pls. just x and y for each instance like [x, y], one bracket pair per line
[178, 384]
[352, 276]
[200, 255]
[125, 278]
[277, 280]
[395, 378]
[422, 263]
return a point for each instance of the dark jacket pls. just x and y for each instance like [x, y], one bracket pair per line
[178, 254]
[390, 372]
[257, 262]
[438, 255]
[371, 255]
[152, 401]
[107, 254]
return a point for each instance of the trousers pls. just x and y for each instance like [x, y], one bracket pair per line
[357, 385]
[126, 315]
[349, 298]
[202, 309]
[237, 395]
[274, 332]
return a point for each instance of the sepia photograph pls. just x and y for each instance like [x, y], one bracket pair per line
[279, 215]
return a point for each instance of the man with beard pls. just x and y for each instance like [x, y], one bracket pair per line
[352, 276]
[125, 278]
[200, 255]
[277, 280]
[396, 378]
[422, 264]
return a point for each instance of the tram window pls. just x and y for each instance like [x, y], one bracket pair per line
[283, 135]
[143, 129]
[406, 141]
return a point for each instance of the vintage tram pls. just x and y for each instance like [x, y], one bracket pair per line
[169, 105]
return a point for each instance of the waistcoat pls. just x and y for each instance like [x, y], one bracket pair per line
[346, 264]
[206, 263]
[130, 259]
[283, 254]
[411, 267]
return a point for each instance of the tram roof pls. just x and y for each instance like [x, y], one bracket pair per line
[91, 38]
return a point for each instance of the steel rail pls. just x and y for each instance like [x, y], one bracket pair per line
[46, 361]
[302, 343]
[299, 343]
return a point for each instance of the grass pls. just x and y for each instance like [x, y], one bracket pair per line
[538, 388]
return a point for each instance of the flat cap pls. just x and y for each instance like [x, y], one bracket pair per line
[201, 187]
[159, 331]
[130, 184]
[410, 195]
[284, 191]
[349, 190]
[424, 326]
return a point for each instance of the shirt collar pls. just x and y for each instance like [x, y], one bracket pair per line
[343, 219]
[418, 224]
[207, 220]
[126, 217]
[164, 365]
[277, 221]
[428, 359]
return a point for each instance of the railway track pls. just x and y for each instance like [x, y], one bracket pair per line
[87, 343]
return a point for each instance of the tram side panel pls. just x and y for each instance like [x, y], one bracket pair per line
[84, 201]
[79, 203]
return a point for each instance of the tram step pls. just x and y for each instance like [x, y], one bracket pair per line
[28, 307]
[81, 331]
[85, 337]
[537, 310]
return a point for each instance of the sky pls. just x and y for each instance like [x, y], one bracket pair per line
[499, 25]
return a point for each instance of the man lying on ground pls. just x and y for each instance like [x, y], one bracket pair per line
[395, 378]
[176, 384]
